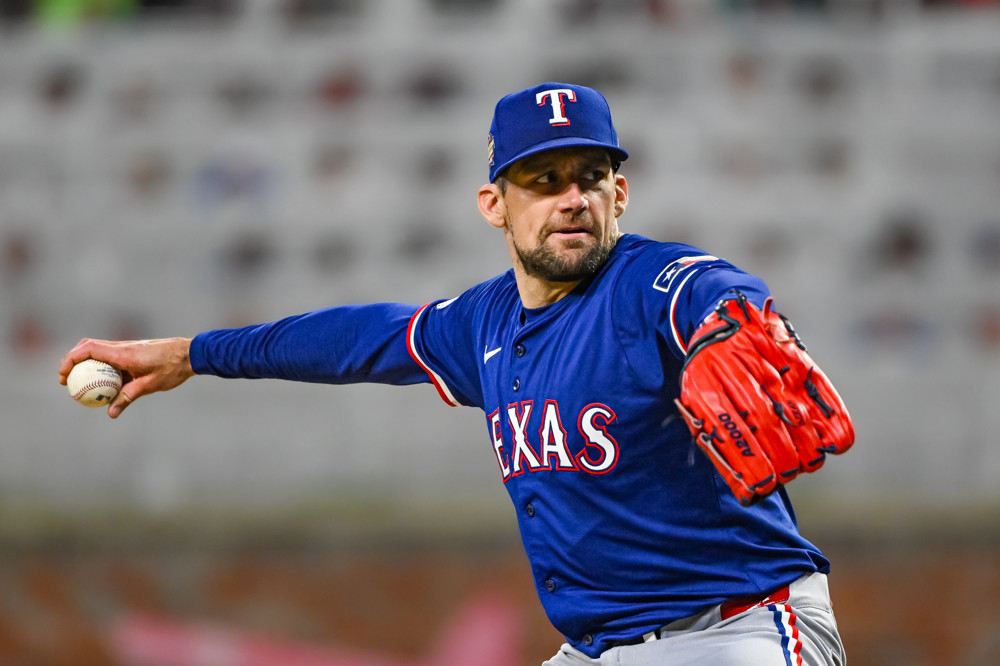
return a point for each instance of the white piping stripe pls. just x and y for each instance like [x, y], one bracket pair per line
[673, 307]
[435, 377]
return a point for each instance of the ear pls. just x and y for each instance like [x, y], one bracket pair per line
[491, 205]
[621, 195]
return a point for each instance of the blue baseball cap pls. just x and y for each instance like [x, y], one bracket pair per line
[547, 116]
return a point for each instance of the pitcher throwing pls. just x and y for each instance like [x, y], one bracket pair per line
[643, 400]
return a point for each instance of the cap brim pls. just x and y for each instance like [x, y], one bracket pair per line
[562, 142]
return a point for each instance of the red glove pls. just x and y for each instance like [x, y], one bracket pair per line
[755, 401]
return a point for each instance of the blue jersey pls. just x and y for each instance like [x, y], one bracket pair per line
[626, 524]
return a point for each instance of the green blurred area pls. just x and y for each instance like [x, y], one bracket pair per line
[71, 13]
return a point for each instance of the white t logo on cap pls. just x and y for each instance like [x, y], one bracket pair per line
[556, 99]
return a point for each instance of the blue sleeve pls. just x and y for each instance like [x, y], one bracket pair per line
[710, 285]
[442, 341]
[677, 286]
[341, 345]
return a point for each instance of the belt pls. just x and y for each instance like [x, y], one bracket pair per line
[728, 609]
[737, 606]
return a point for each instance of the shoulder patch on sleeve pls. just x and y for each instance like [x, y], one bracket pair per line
[672, 280]
[664, 281]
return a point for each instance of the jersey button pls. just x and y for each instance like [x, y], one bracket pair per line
[588, 639]
[550, 585]
[519, 350]
[517, 383]
[530, 510]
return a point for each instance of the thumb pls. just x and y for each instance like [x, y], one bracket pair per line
[128, 394]
[121, 401]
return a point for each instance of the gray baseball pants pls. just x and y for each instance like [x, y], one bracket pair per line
[799, 631]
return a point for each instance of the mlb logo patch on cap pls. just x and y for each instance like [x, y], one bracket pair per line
[547, 116]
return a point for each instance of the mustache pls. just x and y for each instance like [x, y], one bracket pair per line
[574, 222]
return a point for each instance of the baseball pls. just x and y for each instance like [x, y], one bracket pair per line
[93, 383]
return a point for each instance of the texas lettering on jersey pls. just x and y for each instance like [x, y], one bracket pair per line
[593, 450]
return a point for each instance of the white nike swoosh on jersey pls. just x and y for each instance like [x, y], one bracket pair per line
[487, 355]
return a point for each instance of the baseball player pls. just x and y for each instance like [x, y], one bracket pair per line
[644, 403]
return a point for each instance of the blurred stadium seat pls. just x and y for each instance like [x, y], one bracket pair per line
[168, 167]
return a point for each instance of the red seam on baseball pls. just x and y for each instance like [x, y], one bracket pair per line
[93, 385]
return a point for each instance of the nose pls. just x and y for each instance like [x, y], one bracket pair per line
[572, 200]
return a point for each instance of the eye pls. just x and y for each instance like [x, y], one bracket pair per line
[594, 175]
[545, 178]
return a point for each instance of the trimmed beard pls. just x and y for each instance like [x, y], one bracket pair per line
[543, 263]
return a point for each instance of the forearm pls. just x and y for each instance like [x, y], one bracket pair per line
[341, 345]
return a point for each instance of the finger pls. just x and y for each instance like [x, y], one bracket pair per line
[78, 353]
[130, 392]
[121, 401]
[809, 445]
[771, 413]
[86, 348]
[830, 429]
[835, 434]
[754, 388]
[728, 433]
[828, 413]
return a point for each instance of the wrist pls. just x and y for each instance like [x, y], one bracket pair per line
[182, 357]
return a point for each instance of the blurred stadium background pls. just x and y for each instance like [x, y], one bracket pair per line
[169, 166]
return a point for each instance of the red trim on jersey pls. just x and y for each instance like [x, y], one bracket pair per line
[436, 379]
[602, 466]
[496, 434]
[522, 447]
[543, 441]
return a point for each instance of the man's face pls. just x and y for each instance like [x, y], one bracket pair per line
[561, 209]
